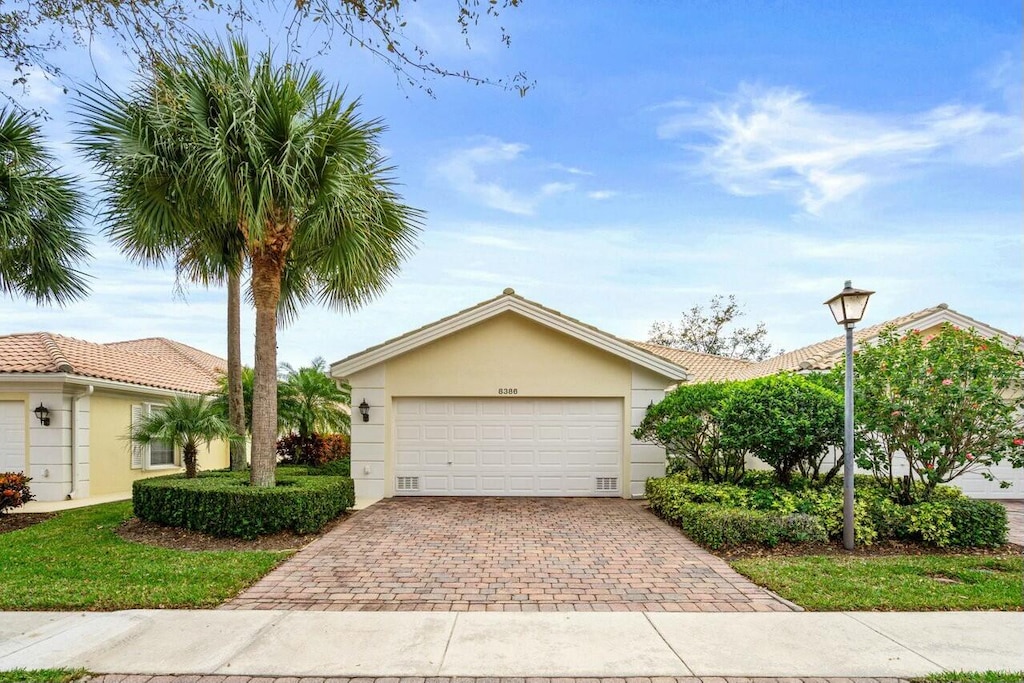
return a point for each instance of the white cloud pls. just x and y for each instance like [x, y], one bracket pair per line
[777, 141]
[600, 195]
[465, 171]
[571, 170]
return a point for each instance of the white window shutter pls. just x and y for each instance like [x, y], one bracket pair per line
[138, 450]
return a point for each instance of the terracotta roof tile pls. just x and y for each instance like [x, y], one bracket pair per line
[702, 367]
[156, 362]
[825, 354]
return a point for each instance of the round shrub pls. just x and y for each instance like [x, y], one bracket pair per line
[14, 490]
[224, 504]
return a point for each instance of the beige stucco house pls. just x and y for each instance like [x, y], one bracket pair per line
[509, 397]
[505, 398]
[66, 406]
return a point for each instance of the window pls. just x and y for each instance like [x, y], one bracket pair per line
[156, 454]
[161, 453]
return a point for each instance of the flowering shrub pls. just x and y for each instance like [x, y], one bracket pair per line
[295, 449]
[336, 446]
[314, 450]
[14, 490]
[948, 402]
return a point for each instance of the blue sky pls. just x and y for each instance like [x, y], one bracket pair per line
[669, 152]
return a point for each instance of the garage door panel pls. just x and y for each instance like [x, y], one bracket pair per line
[509, 446]
[409, 432]
[521, 433]
[522, 458]
[435, 433]
[12, 436]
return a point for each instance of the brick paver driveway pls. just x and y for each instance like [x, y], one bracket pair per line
[506, 554]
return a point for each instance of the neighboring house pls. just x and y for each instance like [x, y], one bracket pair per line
[505, 398]
[825, 355]
[67, 406]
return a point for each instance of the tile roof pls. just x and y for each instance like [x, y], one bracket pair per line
[154, 362]
[825, 354]
[702, 367]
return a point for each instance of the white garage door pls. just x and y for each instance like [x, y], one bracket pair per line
[977, 486]
[12, 436]
[508, 447]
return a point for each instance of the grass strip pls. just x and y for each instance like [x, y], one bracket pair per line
[76, 561]
[893, 583]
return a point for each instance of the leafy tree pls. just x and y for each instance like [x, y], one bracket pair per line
[685, 423]
[711, 331]
[949, 403]
[217, 149]
[311, 402]
[31, 33]
[41, 242]
[787, 421]
[186, 421]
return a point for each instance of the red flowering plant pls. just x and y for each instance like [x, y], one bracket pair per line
[950, 403]
[13, 490]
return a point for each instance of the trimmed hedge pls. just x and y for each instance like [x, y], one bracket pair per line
[764, 513]
[224, 504]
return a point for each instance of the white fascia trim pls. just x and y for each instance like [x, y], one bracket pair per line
[961, 321]
[344, 369]
[82, 380]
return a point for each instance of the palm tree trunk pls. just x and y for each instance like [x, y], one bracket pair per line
[189, 455]
[266, 290]
[236, 404]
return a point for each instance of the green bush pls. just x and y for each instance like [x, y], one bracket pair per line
[685, 423]
[948, 519]
[957, 522]
[341, 467]
[715, 526]
[224, 504]
[785, 420]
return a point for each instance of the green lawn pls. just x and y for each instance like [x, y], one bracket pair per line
[900, 583]
[76, 561]
[41, 675]
[974, 677]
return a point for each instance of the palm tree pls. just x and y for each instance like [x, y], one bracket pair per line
[185, 422]
[312, 402]
[40, 212]
[215, 145]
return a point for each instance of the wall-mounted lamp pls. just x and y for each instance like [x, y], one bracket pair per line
[364, 410]
[43, 413]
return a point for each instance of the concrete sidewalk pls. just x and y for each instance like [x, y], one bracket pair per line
[428, 644]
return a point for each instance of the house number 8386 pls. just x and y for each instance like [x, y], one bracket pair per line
[507, 391]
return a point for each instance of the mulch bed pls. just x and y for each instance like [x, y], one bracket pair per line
[835, 548]
[149, 533]
[22, 520]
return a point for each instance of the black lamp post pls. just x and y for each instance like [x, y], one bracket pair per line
[364, 410]
[848, 308]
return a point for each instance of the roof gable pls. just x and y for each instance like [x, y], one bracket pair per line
[825, 354]
[508, 301]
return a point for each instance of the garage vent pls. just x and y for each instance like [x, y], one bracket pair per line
[605, 484]
[408, 484]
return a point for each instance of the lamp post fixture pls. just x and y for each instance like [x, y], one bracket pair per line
[848, 308]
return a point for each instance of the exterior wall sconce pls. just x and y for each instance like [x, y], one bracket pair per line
[364, 410]
[43, 413]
